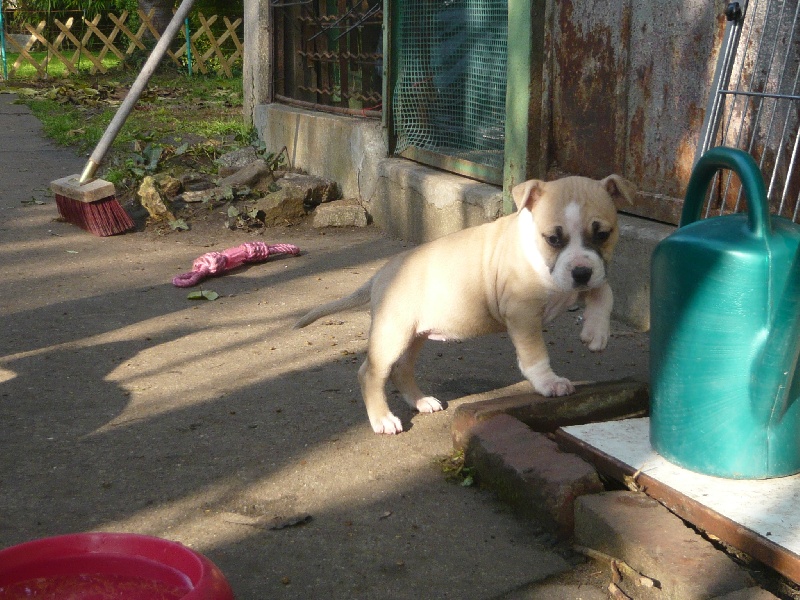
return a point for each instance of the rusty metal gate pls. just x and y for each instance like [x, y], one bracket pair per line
[329, 55]
[755, 102]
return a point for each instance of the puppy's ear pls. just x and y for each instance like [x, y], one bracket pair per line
[526, 193]
[621, 190]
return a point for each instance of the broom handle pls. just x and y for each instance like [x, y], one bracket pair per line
[136, 90]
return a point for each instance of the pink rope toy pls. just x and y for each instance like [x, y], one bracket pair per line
[215, 263]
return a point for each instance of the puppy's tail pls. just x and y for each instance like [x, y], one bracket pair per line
[358, 298]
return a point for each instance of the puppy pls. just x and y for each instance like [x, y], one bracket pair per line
[513, 274]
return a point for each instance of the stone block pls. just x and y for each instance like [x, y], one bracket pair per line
[313, 190]
[234, 161]
[528, 471]
[340, 213]
[637, 530]
[250, 175]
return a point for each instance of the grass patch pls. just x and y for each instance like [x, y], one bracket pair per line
[76, 112]
[54, 66]
[179, 122]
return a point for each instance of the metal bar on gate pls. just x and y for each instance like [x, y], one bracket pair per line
[753, 103]
[3, 43]
[188, 45]
[762, 110]
[759, 94]
[733, 31]
[787, 120]
[370, 12]
[335, 24]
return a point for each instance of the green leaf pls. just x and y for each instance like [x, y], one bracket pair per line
[202, 295]
[182, 149]
[179, 225]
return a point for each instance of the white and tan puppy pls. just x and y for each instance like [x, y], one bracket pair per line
[513, 274]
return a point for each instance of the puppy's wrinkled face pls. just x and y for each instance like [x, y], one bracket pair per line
[568, 228]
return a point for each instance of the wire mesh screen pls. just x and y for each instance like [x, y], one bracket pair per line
[756, 103]
[450, 91]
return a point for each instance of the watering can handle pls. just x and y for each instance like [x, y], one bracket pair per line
[745, 167]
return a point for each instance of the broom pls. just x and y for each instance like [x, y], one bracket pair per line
[86, 201]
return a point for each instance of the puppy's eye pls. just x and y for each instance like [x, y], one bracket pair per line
[555, 239]
[598, 236]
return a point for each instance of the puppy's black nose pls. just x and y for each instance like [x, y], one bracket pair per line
[581, 275]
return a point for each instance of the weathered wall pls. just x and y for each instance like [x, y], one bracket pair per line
[629, 84]
[624, 90]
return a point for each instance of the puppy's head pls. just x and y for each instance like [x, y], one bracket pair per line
[568, 227]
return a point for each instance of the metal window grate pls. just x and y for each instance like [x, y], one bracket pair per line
[755, 102]
[328, 54]
[450, 92]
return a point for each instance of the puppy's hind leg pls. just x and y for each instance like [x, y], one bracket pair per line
[386, 345]
[402, 376]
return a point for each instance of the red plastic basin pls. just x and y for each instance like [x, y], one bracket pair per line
[101, 566]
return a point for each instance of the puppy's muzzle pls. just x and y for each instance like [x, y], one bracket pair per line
[581, 276]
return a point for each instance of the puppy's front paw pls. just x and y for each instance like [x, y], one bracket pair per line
[388, 424]
[545, 382]
[595, 335]
[555, 386]
[428, 404]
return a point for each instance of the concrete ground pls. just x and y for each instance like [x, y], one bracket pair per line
[124, 406]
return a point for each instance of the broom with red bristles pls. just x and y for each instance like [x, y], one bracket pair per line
[86, 201]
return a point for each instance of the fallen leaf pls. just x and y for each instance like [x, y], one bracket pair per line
[179, 224]
[202, 295]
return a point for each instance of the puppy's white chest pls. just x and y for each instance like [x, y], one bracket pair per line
[558, 303]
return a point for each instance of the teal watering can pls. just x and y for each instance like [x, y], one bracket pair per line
[725, 334]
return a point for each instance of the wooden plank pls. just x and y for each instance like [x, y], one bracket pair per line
[454, 165]
[758, 517]
[215, 44]
[24, 52]
[35, 35]
[108, 42]
[119, 22]
[80, 45]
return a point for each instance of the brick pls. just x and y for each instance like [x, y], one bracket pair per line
[603, 401]
[528, 471]
[637, 530]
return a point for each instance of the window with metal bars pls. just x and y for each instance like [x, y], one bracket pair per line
[329, 55]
